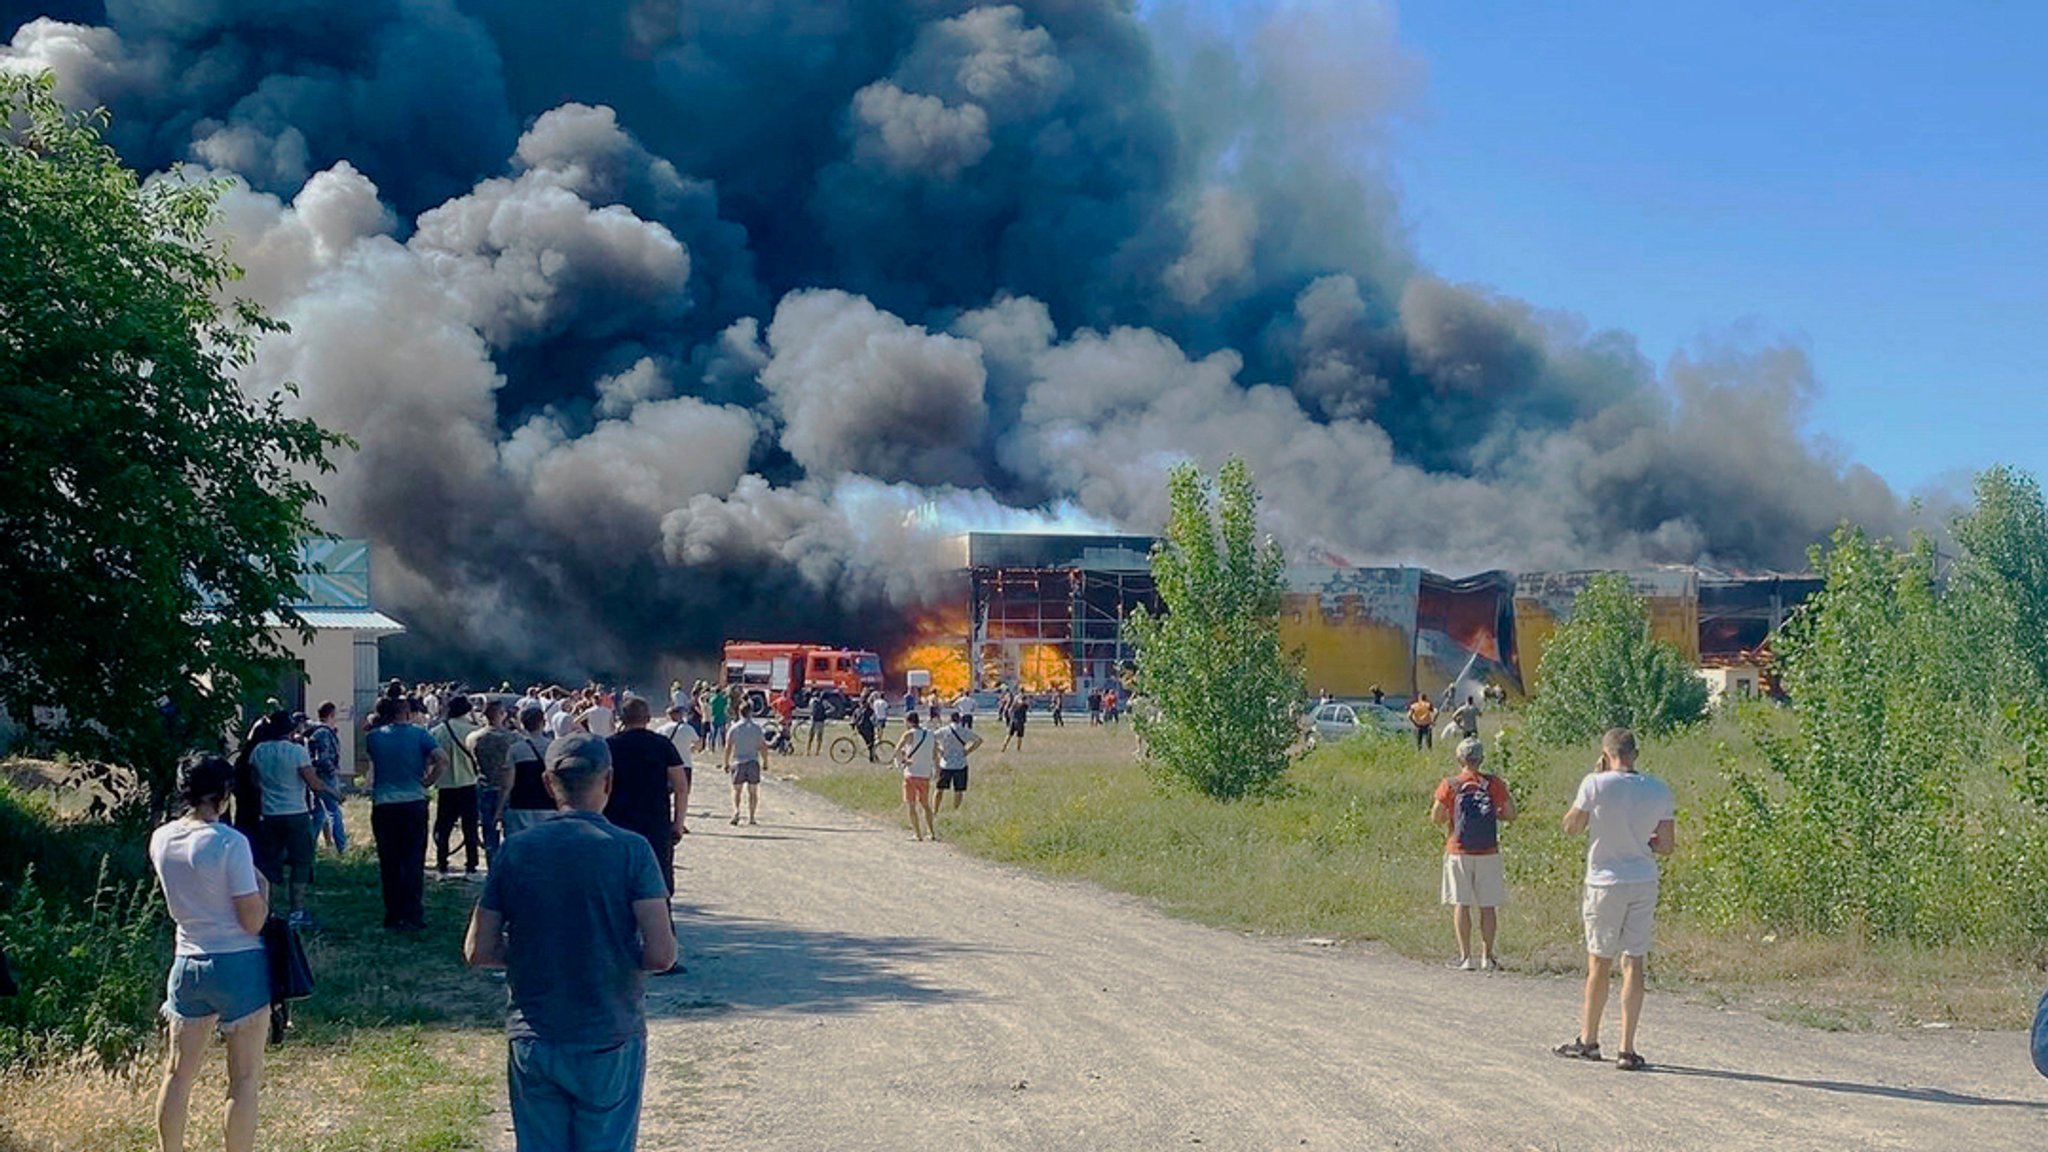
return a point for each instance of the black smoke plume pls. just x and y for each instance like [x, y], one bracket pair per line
[664, 321]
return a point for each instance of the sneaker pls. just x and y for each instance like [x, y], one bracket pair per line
[735, 820]
[1464, 964]
[302, 920]
[1489, 964]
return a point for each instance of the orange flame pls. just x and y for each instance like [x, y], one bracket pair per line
[939, 647]
[1042, 668]
[946, 662]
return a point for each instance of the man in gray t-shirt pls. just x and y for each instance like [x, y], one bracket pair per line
[746, 753]
[576, 913]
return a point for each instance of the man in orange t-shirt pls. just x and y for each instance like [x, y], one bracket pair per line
[1473, 805]
[1422, 714]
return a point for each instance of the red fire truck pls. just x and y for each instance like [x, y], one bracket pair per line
[840, 675]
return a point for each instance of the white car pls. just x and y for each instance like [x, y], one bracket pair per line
[1332, 722]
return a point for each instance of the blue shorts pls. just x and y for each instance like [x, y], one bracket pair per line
[234, 986]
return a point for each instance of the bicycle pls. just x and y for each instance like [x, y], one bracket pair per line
[845, 748]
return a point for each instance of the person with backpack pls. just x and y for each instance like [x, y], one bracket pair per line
[1473, 805]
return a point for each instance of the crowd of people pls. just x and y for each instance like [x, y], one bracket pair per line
[568, 807]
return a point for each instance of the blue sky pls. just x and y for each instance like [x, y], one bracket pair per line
[1867, 178]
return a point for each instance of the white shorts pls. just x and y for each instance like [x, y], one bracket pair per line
[1619, 918]
[1474, 881]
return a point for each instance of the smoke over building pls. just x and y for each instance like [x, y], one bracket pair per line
[662, 322]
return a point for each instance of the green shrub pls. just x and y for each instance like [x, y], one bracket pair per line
[1221, 693]
[91, 974]
[1858, 816]
[68, 855]
[1604, 670]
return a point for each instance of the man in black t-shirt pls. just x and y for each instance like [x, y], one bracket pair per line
[647, 778]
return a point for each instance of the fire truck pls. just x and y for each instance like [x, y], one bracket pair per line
[839, 675]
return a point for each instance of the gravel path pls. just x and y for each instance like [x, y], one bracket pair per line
[849, 988]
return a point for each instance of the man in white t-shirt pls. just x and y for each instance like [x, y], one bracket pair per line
[687, 741]
[917, 753]
[599, 719]
[1629, 820]
[956, 742]
[964, 705]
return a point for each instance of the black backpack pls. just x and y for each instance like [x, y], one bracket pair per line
[1473, 819]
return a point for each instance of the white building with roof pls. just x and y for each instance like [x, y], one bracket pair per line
[340, 662]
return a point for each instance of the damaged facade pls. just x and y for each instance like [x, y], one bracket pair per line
[1046, 610]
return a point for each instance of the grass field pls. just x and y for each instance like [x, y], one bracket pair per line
[400, 1049]
[1346, 851]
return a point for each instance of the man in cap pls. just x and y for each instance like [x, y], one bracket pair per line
[576, 913]
[1473, 805]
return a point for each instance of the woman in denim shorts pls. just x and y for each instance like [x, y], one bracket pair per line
[219, 978]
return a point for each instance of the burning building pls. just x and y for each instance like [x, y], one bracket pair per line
[1046, 610]
[1041, 610]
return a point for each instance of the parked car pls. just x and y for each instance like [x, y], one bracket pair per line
[1332, 722]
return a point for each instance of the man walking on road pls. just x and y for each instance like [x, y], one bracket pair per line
[1473, 805]
[688, 742]
[647, 780]
[576, 914]
[746, 753]
[955, 743]
[1629, 820]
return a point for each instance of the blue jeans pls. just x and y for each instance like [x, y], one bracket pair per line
[575, 1097]
[327, 817]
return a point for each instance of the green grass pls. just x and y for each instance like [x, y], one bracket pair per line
[1346, 850]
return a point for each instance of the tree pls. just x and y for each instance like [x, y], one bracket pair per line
[2001, 580]
[1999, 612]
[152, 512]
[1604, 670]
[1223, 695]
[1855, 817]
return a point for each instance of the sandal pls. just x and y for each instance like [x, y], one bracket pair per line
[1578, 1050]
[1630, 1062]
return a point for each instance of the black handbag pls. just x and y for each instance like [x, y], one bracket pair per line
[291, 977]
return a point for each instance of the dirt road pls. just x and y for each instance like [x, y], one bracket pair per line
[851, 989]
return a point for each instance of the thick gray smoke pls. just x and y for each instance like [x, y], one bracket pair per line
[662, 322]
